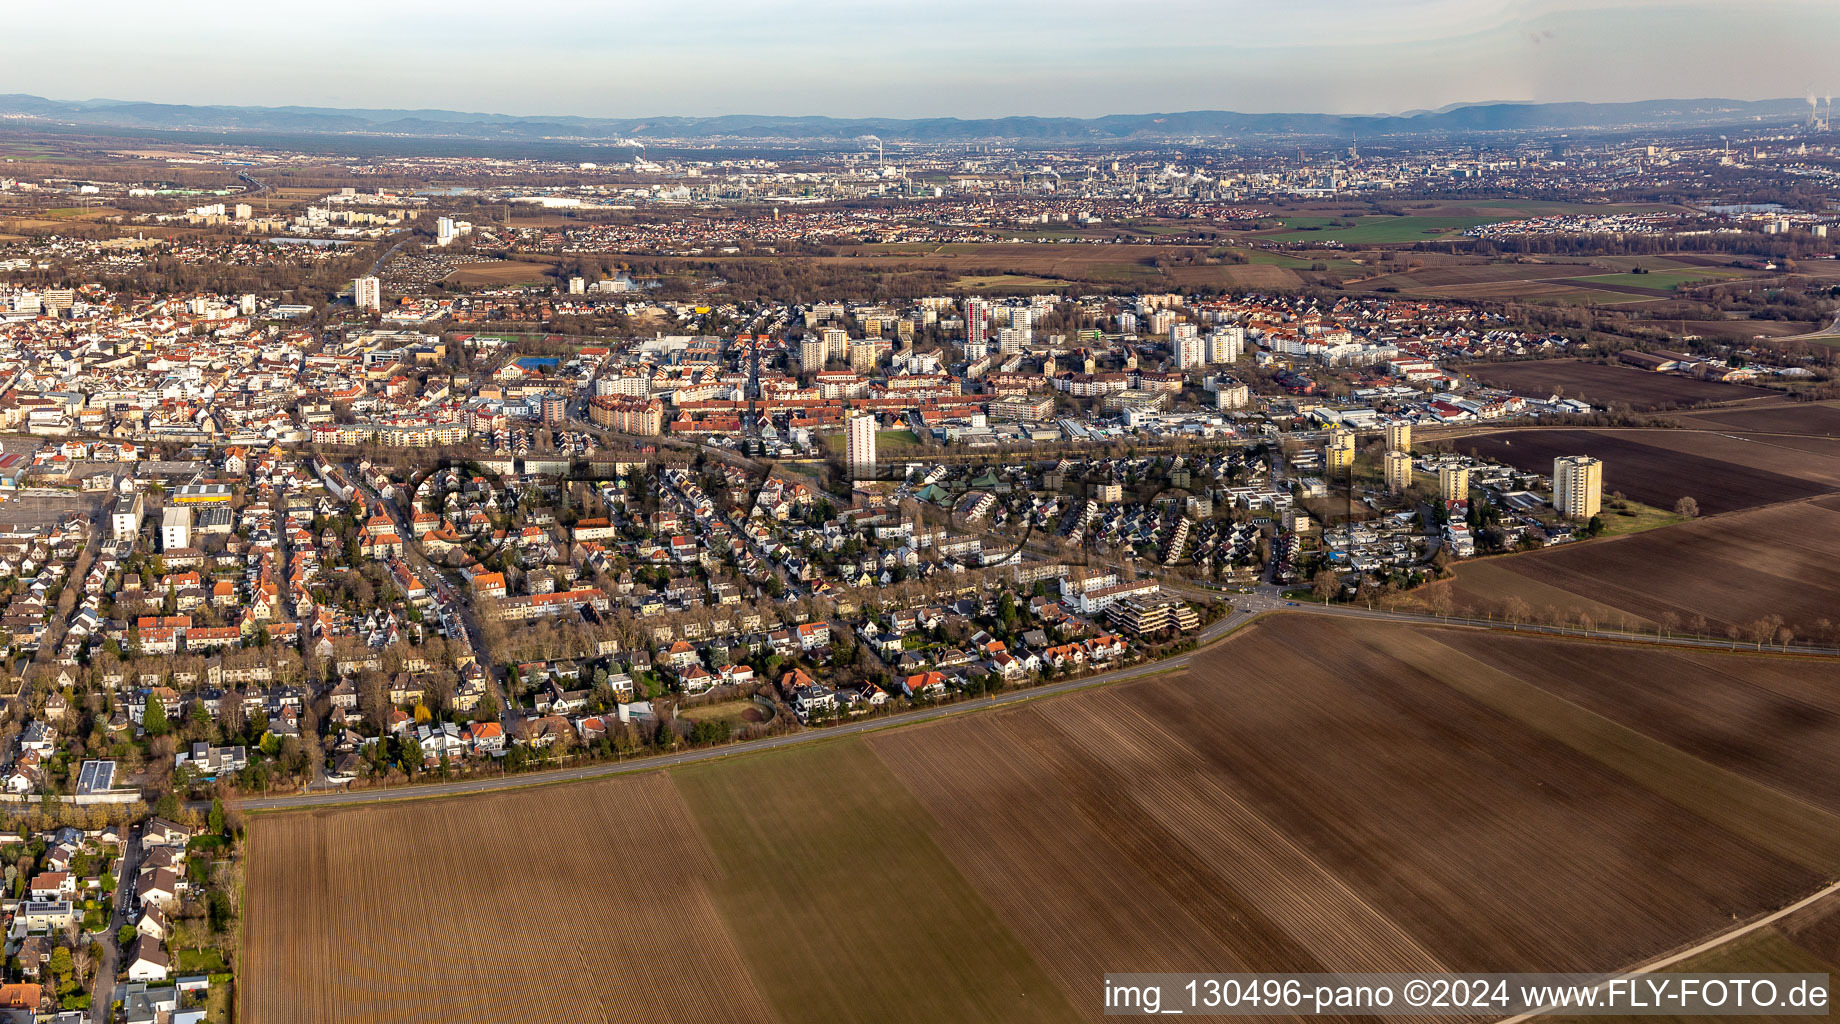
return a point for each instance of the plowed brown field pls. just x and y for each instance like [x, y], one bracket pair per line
[585, 903]
[1602, 384]
[1728, 571]
[1315, 794]
[1659, 467]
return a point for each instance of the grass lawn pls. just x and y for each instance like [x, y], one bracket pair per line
[895, 441]
[732, 711]
[201, 961]
[217, 1004]
[827, 855]
[887, 442]
[1642, 517]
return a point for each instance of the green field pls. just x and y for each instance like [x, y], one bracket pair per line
[828, 858]
[887, 442]
[895, 441]
[1645, 517]
[1374, 230]
[1663, 280]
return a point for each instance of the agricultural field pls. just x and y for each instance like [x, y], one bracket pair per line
[1602, 384]
[1374, 230]
[1155, 258]
[1760, 718]
[1662, 280]
[1747, 330]
[1001, 282]
[1820, 419]
[1314, 794]
[1659, 467]
[997, 265]
[1807, 941]
[613, 889]
[824, 850]
[1767, 561]
[500, 272]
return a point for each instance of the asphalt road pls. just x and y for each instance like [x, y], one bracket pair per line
[120, 913]
[415, 792]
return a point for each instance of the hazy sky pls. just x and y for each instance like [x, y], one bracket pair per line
[917, 58]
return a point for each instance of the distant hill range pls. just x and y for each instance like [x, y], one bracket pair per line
[1113, 128]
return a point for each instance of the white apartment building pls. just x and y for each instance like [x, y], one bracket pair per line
[367, 293]
[860, 453]
[1226, 344]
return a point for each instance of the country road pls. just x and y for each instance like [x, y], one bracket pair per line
[1250, 607]
[1826, 332]
[1690, 952]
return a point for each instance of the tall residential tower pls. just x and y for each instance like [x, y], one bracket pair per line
[861, 446]
[1578, 486]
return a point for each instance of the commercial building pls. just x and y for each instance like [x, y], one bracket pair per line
[1453, 483]
[1398, 471]
[861, 446]
[1578, 486]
